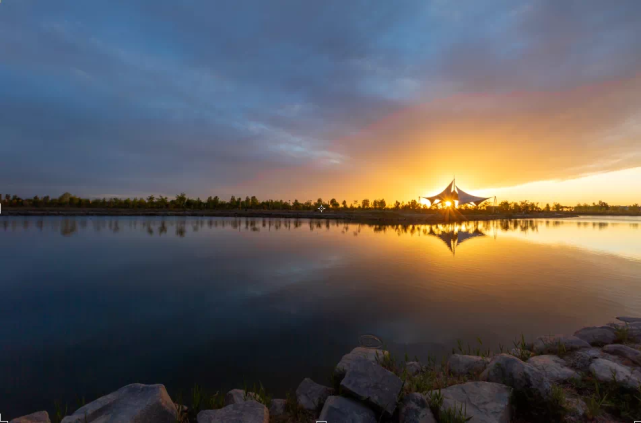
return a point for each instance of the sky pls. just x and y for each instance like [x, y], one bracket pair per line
[535, 100]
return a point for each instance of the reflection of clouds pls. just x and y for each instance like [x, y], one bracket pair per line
[612, 235]
[606, 235]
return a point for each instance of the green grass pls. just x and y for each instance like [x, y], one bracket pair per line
[622, 334]
[294, 412]
[456, 414]
[58, 413]
[216, 401]
[476, 350]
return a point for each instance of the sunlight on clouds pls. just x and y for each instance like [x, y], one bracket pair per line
[620, 187]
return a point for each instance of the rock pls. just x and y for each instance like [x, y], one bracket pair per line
[552, 344]
[415, 409]
[413, 368]
[237, 396]
[576, 408]
[344, 410]
[244, 412]
[277, 407]
[597, 335]
[373, 384]
[132, 403]
[606, 371]
[553, 367]
[624, 351]
[484, 402]
[511, 371]
[582, 359]
[462, 365]
[311, 395]
[39, 417]
[359, 353]
[628, 319]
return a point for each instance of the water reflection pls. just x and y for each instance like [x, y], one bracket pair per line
[451, 235]
[215, 301]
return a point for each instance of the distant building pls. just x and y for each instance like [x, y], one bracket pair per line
[454, 196]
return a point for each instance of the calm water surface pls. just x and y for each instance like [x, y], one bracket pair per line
[92, 304]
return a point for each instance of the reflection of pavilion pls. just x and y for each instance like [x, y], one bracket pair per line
[455, 234]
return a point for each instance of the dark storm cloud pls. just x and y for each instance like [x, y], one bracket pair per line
[138, 97]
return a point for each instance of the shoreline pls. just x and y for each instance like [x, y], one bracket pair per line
[360, 216]
[554, 378]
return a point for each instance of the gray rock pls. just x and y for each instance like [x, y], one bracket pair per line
[344, 410]
[373, 384]
[132, 403]
[237, 396]
[624, 351]
[311, 395]
[553, 367]
[628, 319]
[511, 371]
[462, 365]
[606, 371]
[552, 344]
[244, 412]
[484, 402]
[415, 409]
[360, 353]
[576, 408]
[413, 368]
[582, 359]
[597, 335]
[39, 417]
[277, 407]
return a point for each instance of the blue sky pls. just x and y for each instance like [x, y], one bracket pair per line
[300, 99]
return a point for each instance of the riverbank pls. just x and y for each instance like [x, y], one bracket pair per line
[593, 375]
[353, 216]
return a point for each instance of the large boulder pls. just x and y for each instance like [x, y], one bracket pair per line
[39, 417]
[415, 409]
[484, 402]
[554, 344]
[624, 351]
[372, 384]
[597, 335]
[277, 407]
[344, 410]
[133, 403]
[511, 371]
[236, 396]
[553, 367]
[245, 412]
[311, 395]
[360, 353]
[628, 319]
[608, 371]
[462, 365]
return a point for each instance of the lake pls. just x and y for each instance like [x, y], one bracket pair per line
[92, 304]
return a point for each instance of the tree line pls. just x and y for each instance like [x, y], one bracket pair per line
[182, 201]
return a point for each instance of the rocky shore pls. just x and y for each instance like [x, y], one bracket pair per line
[592, 375]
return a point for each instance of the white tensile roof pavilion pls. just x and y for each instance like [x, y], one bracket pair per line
[455, 195]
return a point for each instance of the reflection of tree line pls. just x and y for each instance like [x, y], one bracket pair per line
[159, 227]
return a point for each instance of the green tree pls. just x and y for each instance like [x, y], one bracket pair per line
[64, 198]
[181, 200]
